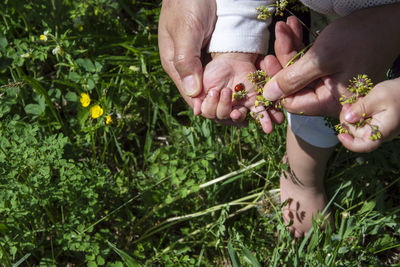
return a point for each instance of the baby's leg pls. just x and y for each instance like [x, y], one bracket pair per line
[303, 184]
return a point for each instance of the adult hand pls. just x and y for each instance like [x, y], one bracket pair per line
[185, 27]
[365, 42]
[382, 105]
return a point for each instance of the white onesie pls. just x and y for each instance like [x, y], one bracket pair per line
[238, 30]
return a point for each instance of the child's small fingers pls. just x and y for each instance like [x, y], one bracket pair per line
[266, 122]
[239, 113]
[197, 102]
[297, 30]
[210, 103]
[360, 145]
[284, 43]
[271, 65]
[276, 116]
[263, 117]
[224, 107]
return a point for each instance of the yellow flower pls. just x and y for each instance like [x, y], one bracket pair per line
[96, 111]
[108, 119]
[85, 100]
[43, 37]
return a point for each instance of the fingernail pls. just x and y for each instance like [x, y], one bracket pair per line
[190, 85]
[272, 91]
[350, 116]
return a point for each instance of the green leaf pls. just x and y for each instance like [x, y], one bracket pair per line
[5, 62]
[3, 42]
[86, 63]
[168, 199]
[368, 206]
[71, 97]
[34, 109]
[250, 257]
[100, 260]
[75, 77]
[83, 115]
[41, 91]
[90, 84]
[3, 228]
[233, 256]
[18, 263]
[129, 261]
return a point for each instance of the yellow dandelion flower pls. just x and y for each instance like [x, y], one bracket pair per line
[85, 100]
[96, 111]
[108, 119]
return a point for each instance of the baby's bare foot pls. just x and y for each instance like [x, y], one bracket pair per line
[304, 203]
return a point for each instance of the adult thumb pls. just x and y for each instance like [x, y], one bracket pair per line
[293, 78]
[187, 62]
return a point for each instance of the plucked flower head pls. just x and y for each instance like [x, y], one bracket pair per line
[361, 85]
[96, 111]
[85, 100]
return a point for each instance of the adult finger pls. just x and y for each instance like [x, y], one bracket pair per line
[188, 38]
[294, 78]
[276, 116]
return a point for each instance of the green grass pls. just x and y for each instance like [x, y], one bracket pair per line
[157, 186]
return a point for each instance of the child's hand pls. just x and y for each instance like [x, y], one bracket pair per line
[221, 75]
[382, 105]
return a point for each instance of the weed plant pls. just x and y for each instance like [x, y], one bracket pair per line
[144, 182]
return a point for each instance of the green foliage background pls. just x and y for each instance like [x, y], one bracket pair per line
[78, 191]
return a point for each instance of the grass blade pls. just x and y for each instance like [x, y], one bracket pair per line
[128, 260]
[250, 257]
[233, 256]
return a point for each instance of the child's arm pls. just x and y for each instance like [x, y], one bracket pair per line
[382, 105]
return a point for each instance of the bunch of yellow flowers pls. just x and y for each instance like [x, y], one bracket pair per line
[96, 111]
